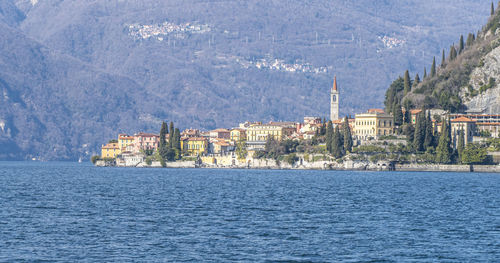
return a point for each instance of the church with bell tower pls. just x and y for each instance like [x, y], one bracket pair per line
[334, 101]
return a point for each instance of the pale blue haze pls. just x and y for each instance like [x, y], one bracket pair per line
[75, 212]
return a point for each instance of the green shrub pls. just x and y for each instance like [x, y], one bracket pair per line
[95, 158]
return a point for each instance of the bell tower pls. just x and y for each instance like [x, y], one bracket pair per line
[334, 101]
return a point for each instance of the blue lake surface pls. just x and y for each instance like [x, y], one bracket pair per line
[71, 212]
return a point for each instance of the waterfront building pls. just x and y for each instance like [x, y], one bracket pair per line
[257, 135]
[465, 124]
[195, 145]
[373, 125]
[220, 147]
[110, 150]
[238, 134]
[145, 141]
[334, 101]
[484, 122]
[124, 140]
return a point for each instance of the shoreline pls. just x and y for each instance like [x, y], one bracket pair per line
[325, 166]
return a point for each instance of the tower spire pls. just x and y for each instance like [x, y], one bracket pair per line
[335, 83]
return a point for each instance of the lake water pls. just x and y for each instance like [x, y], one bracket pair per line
[76, 212]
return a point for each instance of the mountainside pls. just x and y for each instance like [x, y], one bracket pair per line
[467, 80]
[74, 73]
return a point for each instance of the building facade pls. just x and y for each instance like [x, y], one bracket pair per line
[257, 135]
[464, 124]
[373, 125]
[110, 150]
[195, 145]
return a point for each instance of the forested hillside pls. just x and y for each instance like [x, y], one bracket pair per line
[464, 78]
[74, 73]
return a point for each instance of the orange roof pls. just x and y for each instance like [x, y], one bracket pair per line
[462, 119]
[220, 130]
[416, 111]
[221, 143]
[335, 83]
[376, 110]
[488, 123]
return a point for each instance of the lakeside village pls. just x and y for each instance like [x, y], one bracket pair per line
[405, 139]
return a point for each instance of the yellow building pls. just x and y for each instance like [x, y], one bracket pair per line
[238, 134]
[195, 145]
[257, 135]
[110, 150]
[373, 125]
[124, 140]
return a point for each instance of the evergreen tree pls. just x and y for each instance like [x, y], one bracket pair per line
[337, 146]
[425, 73]
[433, 67]
[177, 139]
[409, 132]
[346, 130]
[398, 115]
[419, 136]
[443, 150]
[492, 9]
[453, 53]
[461, 45]
[170, 141]
[443, 60]
[429, 134]
[163, 147]
[460, 144]
[407, 83]
[407, 114]
[329, 136]
[416, 81]
[470, 40]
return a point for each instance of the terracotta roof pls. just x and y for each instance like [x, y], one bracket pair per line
[488, 123]
[143, 134]
[415, 111]
[222, 143]
[220, 130]
[335, 83]
[462, 119]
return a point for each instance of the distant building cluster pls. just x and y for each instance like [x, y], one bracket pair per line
[370, 125]
[280, 65]
[159, 31]
[392, 42]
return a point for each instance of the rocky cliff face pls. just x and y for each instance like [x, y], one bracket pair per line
[488, 99]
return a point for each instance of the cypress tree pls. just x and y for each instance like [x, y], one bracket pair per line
[443, 150]
[163, 147]
[443, 60]
[170, 137]
[433, 67]
[470, 40]
[177, 139]
[425, 73]
[416, 81]
[329, 136]
[419, 135]
[453, 53]
[429, 134]
[460, 144]
[323, 127]
[347, 135]
[461, 44]
[407, 83]
[337, 146]
[398, 114]
[492, 9]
